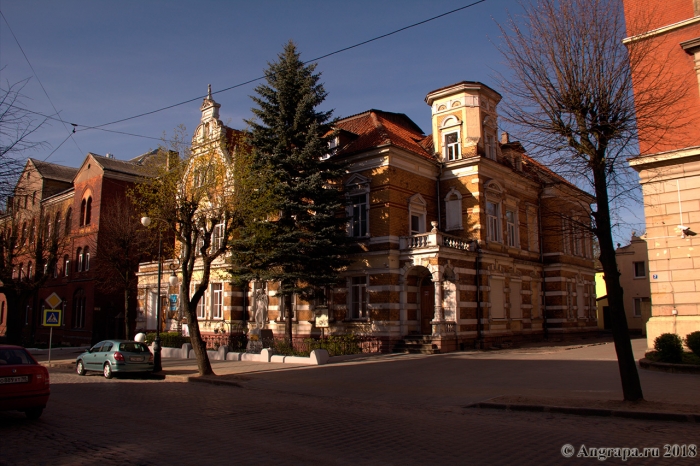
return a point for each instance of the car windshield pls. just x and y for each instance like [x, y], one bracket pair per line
[14, 356]
[133, 347]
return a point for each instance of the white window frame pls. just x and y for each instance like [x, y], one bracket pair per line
[359, 214]
[490, 147]
[358, 220]
[493, 221]
[512, 227]
[217, 300]
[217, 236]
[358, 308]
[452, 150]
[202, 304]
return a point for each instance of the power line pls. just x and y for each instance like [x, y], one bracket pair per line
[85, 128]
[101, 127]
[306, 62]
[40, 84]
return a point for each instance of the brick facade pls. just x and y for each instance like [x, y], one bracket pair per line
[418, 215]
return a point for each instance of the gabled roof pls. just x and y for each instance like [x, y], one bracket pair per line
[375, 128]
[138, 166]
[52, 171]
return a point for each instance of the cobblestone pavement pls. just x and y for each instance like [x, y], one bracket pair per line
[131, 421]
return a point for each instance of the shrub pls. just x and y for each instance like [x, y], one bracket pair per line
[337, 345]
[669, 347]
[692, 341]
[168, 339]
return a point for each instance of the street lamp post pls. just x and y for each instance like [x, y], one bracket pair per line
[157, 366]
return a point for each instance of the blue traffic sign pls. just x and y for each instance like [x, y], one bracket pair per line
[52, 318]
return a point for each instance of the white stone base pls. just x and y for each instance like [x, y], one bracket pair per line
[680, 325]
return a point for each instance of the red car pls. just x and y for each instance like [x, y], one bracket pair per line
[24, 383]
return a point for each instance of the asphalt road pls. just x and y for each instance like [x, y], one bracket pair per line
[406, 410]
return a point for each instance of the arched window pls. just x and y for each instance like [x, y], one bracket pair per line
[79, 260]
[32, 232]
[78, 318]
[453, 210]
[66, 265]
[57, 224]
[88, 211]
[29, 270]
[21, 271]
[81, 220]
[69, 215]
[33, 198]
[86, 261]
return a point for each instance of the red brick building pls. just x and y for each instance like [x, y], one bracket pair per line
[668, 34]
[73, 201]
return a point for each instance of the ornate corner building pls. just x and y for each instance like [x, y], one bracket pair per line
[463, 239]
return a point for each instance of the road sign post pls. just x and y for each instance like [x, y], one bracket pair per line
[52, 317]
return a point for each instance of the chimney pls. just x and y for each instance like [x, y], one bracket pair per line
[505, 138]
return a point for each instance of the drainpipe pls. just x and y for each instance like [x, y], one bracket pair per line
[437, 190]
[545, 330]
[477, 282]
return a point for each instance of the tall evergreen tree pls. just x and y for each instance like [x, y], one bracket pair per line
[303, 242]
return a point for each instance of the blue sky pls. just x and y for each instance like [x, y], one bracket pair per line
[103, 61]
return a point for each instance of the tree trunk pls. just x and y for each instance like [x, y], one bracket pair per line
[13, 333]
[288, 322]
[198, 345]
[126, 314]
[631, 386]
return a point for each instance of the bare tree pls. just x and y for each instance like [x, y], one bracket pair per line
[17, 128]
[570, 95]
[29, 248]
[123, 244]
[203, 198]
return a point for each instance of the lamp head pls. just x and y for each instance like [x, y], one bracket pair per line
[145, 221]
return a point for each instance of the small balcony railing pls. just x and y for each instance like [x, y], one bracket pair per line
[434, 239]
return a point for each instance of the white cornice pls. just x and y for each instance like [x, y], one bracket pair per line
[661, 30]
[663, 157]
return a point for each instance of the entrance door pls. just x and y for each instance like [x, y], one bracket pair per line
[427, 305]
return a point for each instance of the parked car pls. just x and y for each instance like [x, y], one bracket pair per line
[115, 356]
[24, 383]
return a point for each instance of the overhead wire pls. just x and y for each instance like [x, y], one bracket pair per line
[250, 81]
[40, 83]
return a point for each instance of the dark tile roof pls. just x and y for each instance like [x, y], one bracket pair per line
[375, 128]
[53, 171]
[143, 165]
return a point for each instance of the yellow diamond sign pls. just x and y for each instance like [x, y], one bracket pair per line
[53, 301]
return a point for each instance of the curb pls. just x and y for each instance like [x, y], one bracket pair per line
[645, 363]
[212, 380]
[646, 415]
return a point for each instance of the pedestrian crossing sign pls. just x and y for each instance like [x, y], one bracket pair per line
[52, 318]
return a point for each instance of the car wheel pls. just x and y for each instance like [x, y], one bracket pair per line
[80, 368]
[34, 413]
[107, 371]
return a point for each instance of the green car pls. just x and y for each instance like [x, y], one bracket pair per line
[115, 356]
